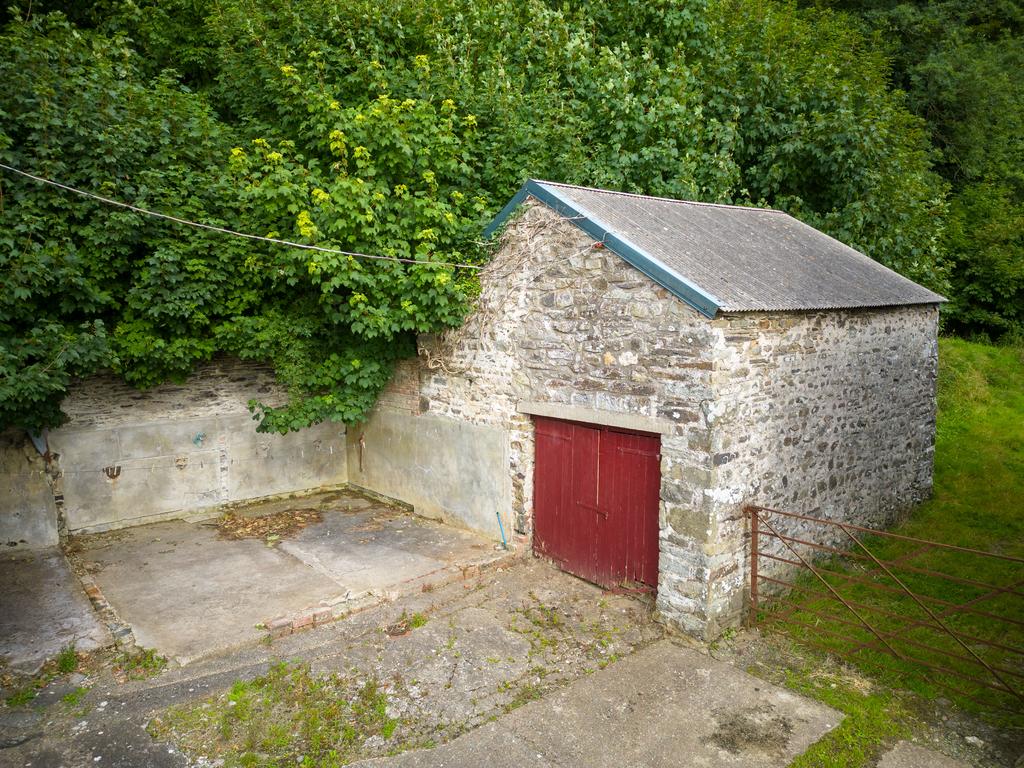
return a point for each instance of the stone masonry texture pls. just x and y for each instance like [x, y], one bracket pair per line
[825, 413]
[828, 414]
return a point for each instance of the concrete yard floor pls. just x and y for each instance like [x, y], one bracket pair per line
[43, 610]
[569, 675]
[188, 592]
[664, 706]
[517, 663]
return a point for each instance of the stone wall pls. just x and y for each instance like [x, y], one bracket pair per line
[127, 457]
[828, 413]
[562, 328]
[825, 414]
[562, 321]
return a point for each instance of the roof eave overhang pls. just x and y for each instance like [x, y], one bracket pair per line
[663, 275]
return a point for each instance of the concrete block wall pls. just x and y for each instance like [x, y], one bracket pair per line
[127, 457]
[116, 476]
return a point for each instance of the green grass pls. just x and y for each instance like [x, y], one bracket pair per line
[74, 698]
[140, 664]
[22, 696]
[64, 663]
[67, 660]
[978, 502]
[526, 693]
[287, 717]
[874, 720]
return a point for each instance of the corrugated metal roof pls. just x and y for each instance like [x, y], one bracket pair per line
[728, 258]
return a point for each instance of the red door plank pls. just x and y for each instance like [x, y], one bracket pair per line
[596, 493]
[552, 494]
[580, 541]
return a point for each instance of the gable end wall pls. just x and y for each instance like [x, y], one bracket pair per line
[828, 414]
[568, 329]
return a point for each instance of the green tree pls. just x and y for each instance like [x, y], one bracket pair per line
[962, 67]
[396, 128]
[88, 287]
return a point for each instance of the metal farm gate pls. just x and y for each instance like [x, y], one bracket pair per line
[596, 494]
[910, 608]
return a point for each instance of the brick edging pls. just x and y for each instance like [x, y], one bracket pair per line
[120, 631]
[328, 611]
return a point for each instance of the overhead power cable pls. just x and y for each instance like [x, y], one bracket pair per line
[225, 231]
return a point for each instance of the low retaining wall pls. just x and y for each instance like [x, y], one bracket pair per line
[142, 472]
[127, 457]
[446, 469]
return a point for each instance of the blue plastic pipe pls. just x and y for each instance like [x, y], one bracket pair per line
[504, 543]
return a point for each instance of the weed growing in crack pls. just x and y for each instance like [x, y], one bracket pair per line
[23, 696]
[140, 664]
[64, 663]
[67, 660]
[74, 698]
[525, 694]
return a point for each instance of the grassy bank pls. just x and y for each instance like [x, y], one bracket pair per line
[978, 503]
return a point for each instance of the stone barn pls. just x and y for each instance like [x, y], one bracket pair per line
[637, 370]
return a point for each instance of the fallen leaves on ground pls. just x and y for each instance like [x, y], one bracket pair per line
[270, 527]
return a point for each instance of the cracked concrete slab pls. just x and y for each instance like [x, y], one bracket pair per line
[189, 593]
[597, 685]
[43, 609]
[664, 706]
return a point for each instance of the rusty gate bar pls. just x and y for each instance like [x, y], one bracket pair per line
[869, 644]
[887, 614]
[963, 607]
[754, 545]
[887, 534]
[832, 589]
[931, 613]
[898, 562]
[995, 676]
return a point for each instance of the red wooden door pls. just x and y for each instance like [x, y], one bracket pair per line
[596, 492]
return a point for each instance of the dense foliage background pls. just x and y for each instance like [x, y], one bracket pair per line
[398, 127]
[961, 64]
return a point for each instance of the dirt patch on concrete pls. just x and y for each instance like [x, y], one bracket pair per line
[751, 729]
